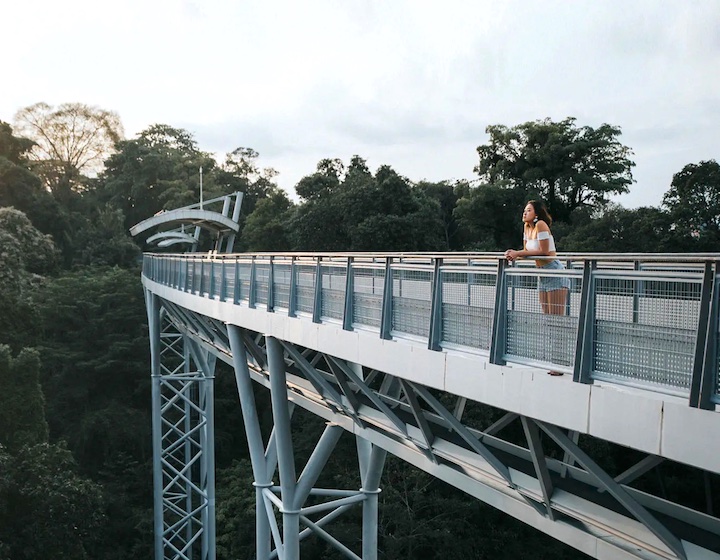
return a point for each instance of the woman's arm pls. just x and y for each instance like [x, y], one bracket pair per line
[543, 245]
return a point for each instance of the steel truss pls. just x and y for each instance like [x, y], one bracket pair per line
[183, 441]
[573, 499]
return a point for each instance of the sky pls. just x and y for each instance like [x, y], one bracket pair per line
[408, 83]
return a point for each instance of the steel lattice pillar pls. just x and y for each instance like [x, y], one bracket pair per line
[183, 441]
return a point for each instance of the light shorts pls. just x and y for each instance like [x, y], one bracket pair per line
[551, 283]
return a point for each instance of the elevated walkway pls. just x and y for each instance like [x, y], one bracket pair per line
[395, 348]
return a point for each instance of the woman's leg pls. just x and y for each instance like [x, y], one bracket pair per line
[545, 301]
[553, 303]
[557, 299]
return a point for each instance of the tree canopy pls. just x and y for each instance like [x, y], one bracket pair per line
[74, 360]
[567, 165]
[69, 141]
[693, 201]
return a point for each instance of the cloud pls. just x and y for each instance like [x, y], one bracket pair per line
[412, 84]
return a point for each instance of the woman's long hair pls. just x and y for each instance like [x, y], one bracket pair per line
[541, 211]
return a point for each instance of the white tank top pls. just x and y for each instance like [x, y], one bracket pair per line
[534, 244]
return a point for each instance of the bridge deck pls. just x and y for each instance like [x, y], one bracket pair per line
[637, 342]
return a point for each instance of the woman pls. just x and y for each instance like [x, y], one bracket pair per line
[538, 240]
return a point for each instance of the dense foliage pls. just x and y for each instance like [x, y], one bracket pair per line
[75, 473]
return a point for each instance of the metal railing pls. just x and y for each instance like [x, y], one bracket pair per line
[649, 320]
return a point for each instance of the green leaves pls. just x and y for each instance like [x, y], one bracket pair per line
[568, 166]
[355, 211]
[22, 405]
[694, 203]
[51, 511]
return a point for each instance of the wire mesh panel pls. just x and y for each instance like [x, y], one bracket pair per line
[193, 276]
[281, 285]
[243, 280]
[333, 291]
[645, 330]
[228, 279]
[368, 287]
[205, 280]
[216, 284]
[535, 335]
[412, 301]
[305, 287]
[262, 276]
[174, 273]
[468, 307]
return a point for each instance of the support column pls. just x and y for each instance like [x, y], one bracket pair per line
[371, 488]
[283, 439]
[371, 461]
[153, 313]
[261, 473]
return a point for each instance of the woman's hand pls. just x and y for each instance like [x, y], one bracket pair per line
[512, 254]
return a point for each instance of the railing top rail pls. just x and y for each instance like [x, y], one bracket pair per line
[466, 256]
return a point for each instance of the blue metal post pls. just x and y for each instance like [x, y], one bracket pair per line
[292, 296]
[435, 335]
[153, 314]
[261, 472]
[387, 302]
[283, 440]
[586, 320]
[499, 328]
[705, 362]
[317, 302]
[349, 292]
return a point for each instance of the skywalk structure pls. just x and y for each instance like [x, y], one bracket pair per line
[393, 348]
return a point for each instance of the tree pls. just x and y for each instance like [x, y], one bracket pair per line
[356, 211]
[621, 230]
[71, 140]
[160, 169]
[693, 202]
[103, 240]
[36, 253]
[240, 172]
[446, 196]
[23, 189]
[22, 404]
[568, 166]
[489, 216]
[95, 357]
[51, 511]
[25, 253]
[266, 229]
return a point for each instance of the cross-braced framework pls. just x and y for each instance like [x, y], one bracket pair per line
[183, 441]
[291, 497]
[542, 476]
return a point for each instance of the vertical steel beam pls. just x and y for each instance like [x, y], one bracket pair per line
[317, 301]
[251, 422]
[704, 362]
[499, 327]
[270, 307]
[370, 478]
[292, 296]
[252, 295]
[586, 327]
[283, 441]
[435, 335]
[387, 302]
[153, 313]
[206, 400]
[349, 293]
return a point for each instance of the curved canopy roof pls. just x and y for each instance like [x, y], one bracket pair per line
[170, 219]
